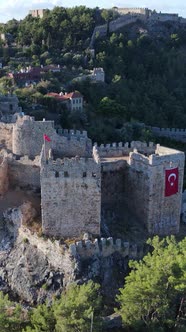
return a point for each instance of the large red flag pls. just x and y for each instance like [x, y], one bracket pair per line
[171, 181]
[46, 138]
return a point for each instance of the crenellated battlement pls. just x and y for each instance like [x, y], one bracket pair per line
[70, 132]
[172, 133]
[123, 149]
[76, 167]
[106, 247]
[161, 156]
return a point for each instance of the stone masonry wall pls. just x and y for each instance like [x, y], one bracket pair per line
[24, 172]
[3, 176]
[6, 135]
[146, 190]
[70, 196]
[137, 186]
[71, 144]
[112, 182]
[28, 139]
[28, 135]
[172, 133]
[123, 149]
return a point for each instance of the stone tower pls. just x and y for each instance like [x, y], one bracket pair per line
[70, 196]
[146, 185]
[27, 138]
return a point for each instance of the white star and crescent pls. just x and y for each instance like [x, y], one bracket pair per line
[172, 178]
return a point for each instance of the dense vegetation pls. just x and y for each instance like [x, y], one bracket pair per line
[152, 299]
[76, 310]
[144, 66]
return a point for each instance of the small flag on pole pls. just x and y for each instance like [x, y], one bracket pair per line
[46, 138]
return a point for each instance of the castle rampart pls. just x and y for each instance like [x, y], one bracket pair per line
[172, 133]
[123, 149]
[67, 185]
[105, 247]
[6, 135]
[71, 145]
[133, 11]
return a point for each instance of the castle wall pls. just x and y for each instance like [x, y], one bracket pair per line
[28, 139]
[137, 186]
[112, 182]
[163, 17]
[70, 197]
[133, 11]
[70, 143]
[28, 135]
[122, 21]
[6, 135]
[146, 190]
[3, 176]
[172, 133]
[24, 173]
[123, 149]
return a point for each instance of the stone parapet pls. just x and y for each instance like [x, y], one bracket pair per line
[105, 247]
[123, 149]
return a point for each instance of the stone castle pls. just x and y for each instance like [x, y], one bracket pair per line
[79, 181]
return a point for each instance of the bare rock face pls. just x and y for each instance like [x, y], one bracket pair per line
[16, 217]
[30, 276]
[28, 213]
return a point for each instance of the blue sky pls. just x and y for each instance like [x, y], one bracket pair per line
[19, 8]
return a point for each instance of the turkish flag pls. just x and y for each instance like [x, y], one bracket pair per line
[171, 181]
[46, 138]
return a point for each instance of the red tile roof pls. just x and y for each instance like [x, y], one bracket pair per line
[70, 95]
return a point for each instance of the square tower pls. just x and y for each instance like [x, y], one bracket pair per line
[70, 196]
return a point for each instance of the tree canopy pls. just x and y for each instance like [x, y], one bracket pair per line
[153, 297]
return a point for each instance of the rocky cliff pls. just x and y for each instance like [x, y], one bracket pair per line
[34, 268]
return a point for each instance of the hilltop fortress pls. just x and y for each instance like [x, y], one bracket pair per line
[128, 16]
[79, 181]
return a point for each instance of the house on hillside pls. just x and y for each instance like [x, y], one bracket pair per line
[98, 75]
[26, 76]
[73, 100]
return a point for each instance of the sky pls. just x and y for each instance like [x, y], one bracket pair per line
[18, 9]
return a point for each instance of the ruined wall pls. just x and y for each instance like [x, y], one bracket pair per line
[70, 196]
[3, 175]
[6, 135]
[24, 172]
[146, 190]
[28, 135]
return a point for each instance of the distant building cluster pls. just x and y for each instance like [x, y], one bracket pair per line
[32, 74]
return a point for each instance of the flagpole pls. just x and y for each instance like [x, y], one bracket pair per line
[92, 318]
